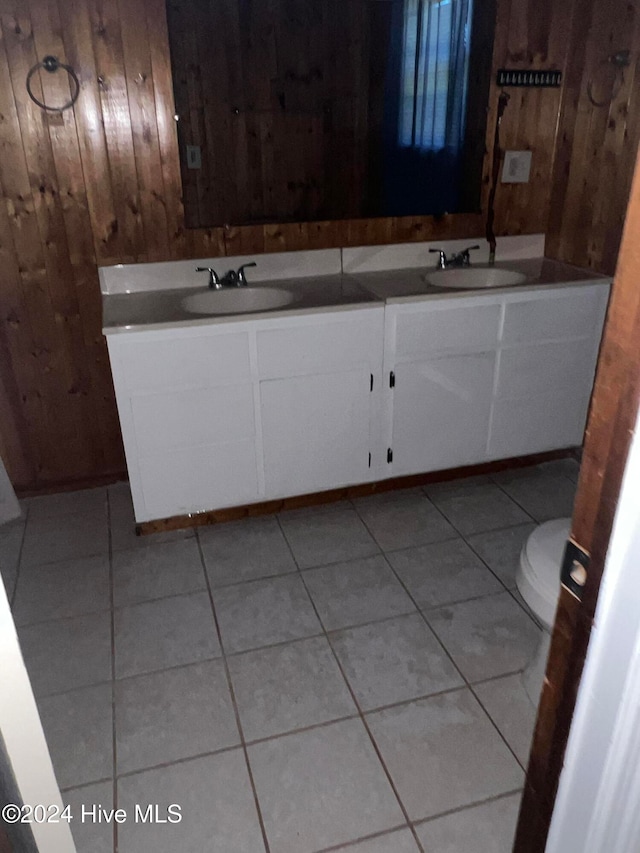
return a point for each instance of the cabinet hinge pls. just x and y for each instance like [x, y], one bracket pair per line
[371, 383]
[369, 460]
[392, 380]
[389, 455]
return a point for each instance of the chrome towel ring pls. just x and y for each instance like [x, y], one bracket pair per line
[52, 64]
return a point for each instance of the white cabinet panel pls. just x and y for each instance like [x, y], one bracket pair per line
[551, 315]
[432, 327]
[533, 370]
[546, 370]
[441, 410]
[536, 424]
[315, 432]
[320, 344]
[198, 478]
[190, 361]
[188, 418]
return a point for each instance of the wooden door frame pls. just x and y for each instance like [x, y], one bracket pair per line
[612, 418]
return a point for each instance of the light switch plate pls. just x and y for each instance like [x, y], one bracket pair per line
[517, 167]
[194, 157]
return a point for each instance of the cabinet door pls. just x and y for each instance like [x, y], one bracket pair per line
[441, 410]
[315, 431]
[196, 449]
[186, 400]
[547, 361]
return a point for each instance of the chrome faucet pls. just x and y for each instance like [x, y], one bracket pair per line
[230, 279]
[214, 280]
[460, 259]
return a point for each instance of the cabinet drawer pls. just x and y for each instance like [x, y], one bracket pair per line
[192, 361]
[447, 328]
[551, 316]
[321, 346]
[190, 418]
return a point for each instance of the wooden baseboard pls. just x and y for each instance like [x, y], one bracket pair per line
[219, 516]
[71, 485]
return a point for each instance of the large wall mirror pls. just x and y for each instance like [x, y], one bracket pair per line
[302, 110]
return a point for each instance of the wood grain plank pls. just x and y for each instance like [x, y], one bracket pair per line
[40, 240]
[596, 145]
[84, 294]
[116, 116]
[76, 25]
[136, 57]
[166, 126]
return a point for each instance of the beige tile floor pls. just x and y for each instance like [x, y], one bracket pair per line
[343, 678]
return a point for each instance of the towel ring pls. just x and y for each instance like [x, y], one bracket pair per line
[52, 64]
[619, 61]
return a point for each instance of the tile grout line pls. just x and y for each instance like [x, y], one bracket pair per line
[114, 754]
[234, 703]
[529, 520]
[284, 734]
[510, 590]
[446, 651]
[361, 715]
[458, 537]
[495, 725]
[496, 798]
[296, 571]
[463, 538]
[535, 520]
[336, 848]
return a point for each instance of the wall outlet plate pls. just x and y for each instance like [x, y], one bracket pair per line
[194, 157]
[517, 167]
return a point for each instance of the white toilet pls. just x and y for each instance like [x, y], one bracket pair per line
[538, 580]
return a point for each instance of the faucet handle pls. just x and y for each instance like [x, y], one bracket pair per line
[214, 280]
[442, 259]
[241, 278]
[464, 254]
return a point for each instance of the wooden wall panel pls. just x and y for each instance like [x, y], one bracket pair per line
[532, 34]
[596, 144]
[101, 185]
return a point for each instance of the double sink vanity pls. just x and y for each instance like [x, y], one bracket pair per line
[340, 367]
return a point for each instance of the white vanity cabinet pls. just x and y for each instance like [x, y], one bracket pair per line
[225, 414]
[490, 376]
[234, 412]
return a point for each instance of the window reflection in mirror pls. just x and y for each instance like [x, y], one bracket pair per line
[299, 110]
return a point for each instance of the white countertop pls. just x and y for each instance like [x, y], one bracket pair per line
[132, 303]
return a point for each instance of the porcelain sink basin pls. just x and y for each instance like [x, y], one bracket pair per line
[474, 277]
[237, 300]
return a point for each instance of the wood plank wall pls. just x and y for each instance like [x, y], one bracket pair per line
[596, 145]
[101, 185]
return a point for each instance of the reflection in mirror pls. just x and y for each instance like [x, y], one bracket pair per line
[298, 110]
